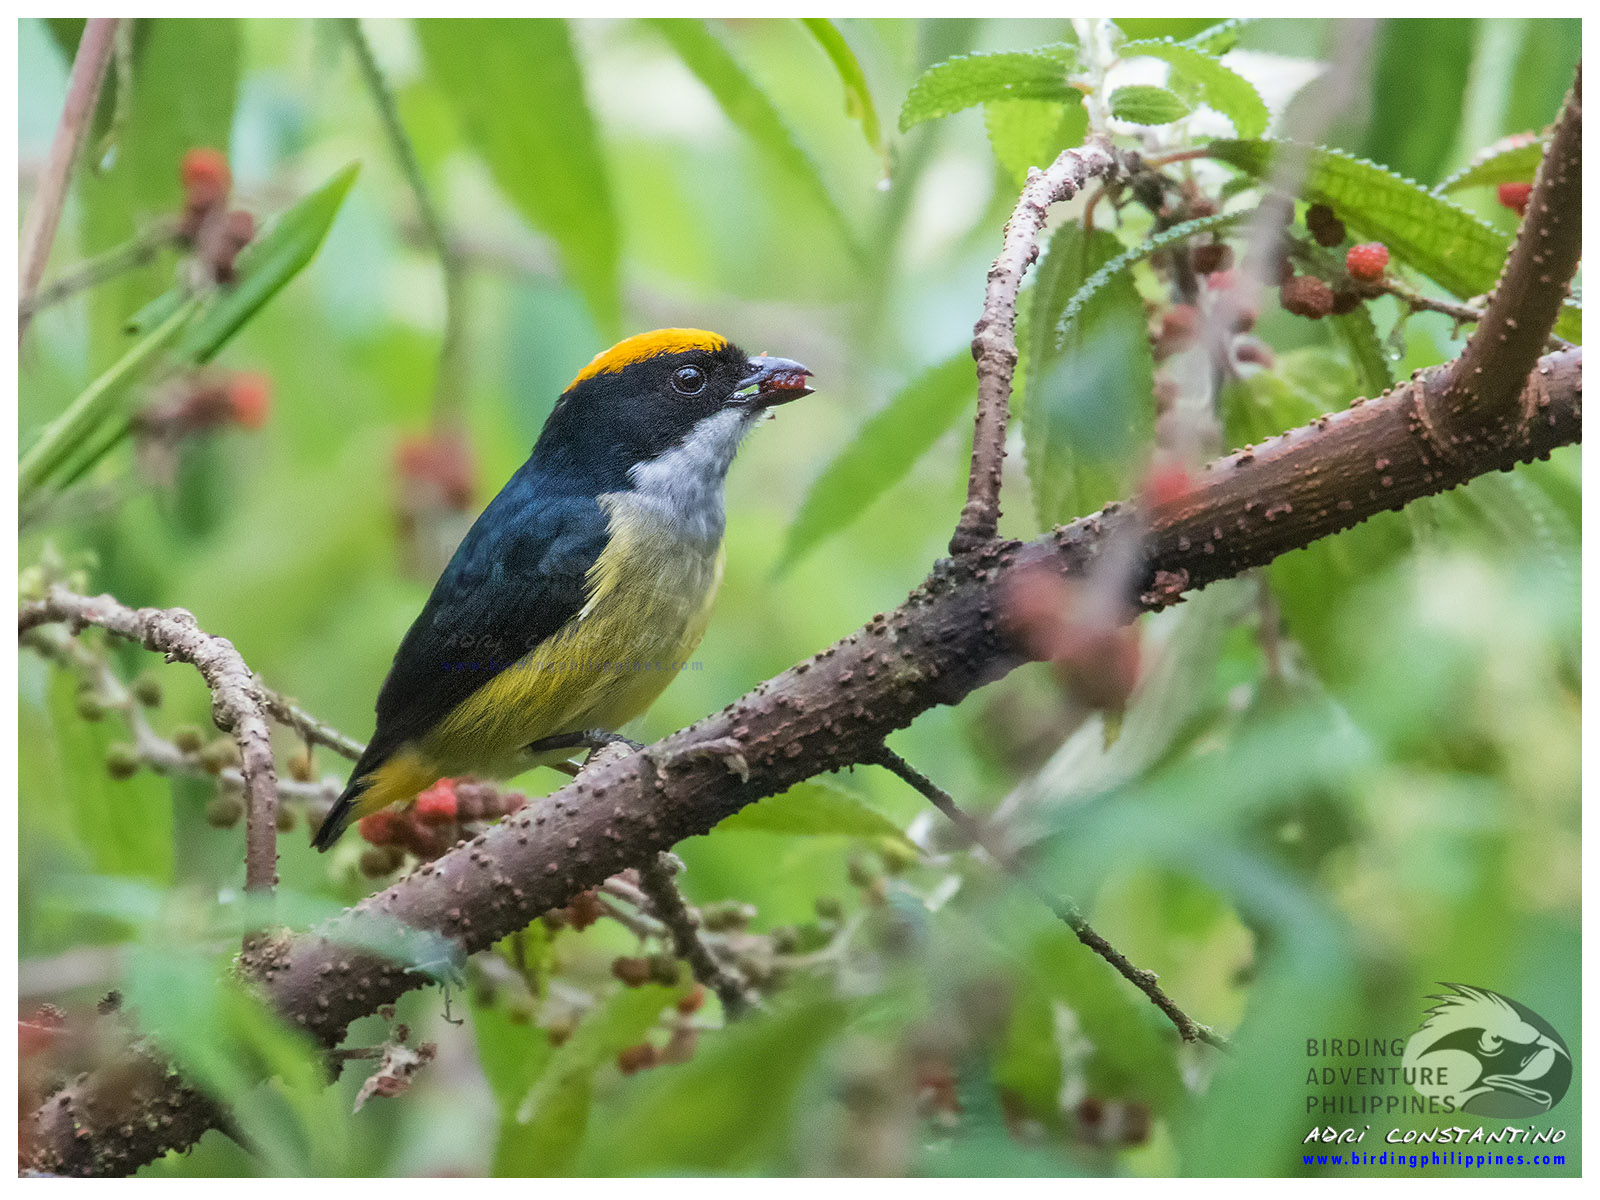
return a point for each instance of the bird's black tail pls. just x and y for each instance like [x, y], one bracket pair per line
[343, 811]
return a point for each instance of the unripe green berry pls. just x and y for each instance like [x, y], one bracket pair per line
[122, 761]
[664, 970]
[188, 738]
[147, 690]
[378, 861]
[32, 583]
[224, 810]
[862, 871]
[285, 818]
[219, 755]
[829, 908]
[301, 765]
[90, 706]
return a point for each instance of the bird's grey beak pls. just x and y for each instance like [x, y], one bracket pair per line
[772, 381]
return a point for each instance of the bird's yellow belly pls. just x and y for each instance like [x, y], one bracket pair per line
[650, 600]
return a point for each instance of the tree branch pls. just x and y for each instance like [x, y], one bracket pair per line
[237, 705]
[657, 882]
[994, 339]
[1064, 907]
[83, 92]
[828, 712]
[1527, 299]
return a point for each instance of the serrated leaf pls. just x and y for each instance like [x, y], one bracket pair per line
[749, 107]
[1090, 287]
[518, 90]
[1359, 336]
[266, 265]
[1419, 78]
[1222, 88]
[882, 453]
[857, 95]
[1146, 105]
[1089, 413]
[1451, 246]
[1511, 160]
[1221, 37]
[969, 79]
[813, 809]
[1033, 133]
[544, 1134]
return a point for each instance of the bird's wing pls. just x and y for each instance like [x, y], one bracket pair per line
[516, 578]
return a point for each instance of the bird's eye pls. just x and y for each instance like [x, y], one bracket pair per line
[689, 381]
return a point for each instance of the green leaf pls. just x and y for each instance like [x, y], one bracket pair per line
[266, 265]
[1511, 160]
[545, 1132]
[1221, 37]
[752, 110]
[813, 809]
[1033, 133]
[518, 89]
[1223, 89]
[1457, 250]
[228, 1042]
[882, 453]
[1419, 84]
[1089, 414]
[1145, 105]
[1090, 287]
[182, 95]
[969, 79]
[98, 405]
[1360, 338]
[857, 95]
[724, 1110]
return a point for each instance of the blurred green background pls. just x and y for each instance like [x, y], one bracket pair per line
[1301, 837]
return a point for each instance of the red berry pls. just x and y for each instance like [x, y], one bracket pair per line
[437, 805]
[1166, 483]
[1515, 196]
[1307, 296]
[692, 1002]
[205, 176]
[250, 398]
[381, 828]
[1367, 262]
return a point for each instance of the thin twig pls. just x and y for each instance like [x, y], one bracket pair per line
[92, 272]
[237, 705]
[1063, 906]
[656, 879]
[312, 730]
[994, 339]
[83, 92]
[447, 381]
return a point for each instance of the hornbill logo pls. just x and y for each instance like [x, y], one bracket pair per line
[1492, 1056]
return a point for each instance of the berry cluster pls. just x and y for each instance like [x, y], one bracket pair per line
[432, 825]
[215, 232]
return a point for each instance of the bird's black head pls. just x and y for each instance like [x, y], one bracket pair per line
[657, 393]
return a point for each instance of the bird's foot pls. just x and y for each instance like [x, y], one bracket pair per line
[592, 740]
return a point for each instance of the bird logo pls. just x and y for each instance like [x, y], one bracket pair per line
[1488, 1055]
